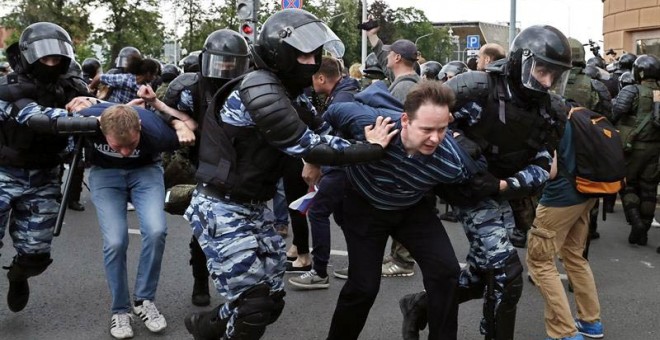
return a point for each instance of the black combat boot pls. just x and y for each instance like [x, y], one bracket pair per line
[638, 230]
[206, 325]
[414, 309]
[200, 293]
[23, 267]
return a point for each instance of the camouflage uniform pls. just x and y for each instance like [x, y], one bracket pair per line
[243, 247]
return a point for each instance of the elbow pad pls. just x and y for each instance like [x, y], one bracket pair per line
[270, 108]
[323, 154]
[469, 87]
[624, 102]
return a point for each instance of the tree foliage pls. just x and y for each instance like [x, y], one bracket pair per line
[134, 23]
[71, 15]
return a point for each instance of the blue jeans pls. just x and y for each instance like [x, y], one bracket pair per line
[327, 201]
[110, 189]
[280, 206]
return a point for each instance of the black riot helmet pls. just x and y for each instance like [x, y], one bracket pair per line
[451, 69]
[169, 72]
[577, 53]
[596, 61]
[191, 62]
[626, 61]
[430, 70]
[125, 54]
[372, 68]
[225, 55]
[646, 66]
[90, 67]
[75, 69]
[626, 79]
[539, 60]
[43, 39]
[289, 33]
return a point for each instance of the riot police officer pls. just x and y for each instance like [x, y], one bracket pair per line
[452, 69]
[430, 70]
[29, 161]
[90, 67]
[169, 73]
[192, 93]
[191, 62]
[125, 54]
[636, 112]
[509, 114]
[246, 135]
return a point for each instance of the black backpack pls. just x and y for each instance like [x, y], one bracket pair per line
[600, 165]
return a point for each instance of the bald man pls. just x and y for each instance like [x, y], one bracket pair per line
[489, 53]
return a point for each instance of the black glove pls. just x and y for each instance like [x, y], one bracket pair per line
[484, 184]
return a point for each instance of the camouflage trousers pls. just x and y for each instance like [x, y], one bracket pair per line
[241, 246]
[28, 205]
[487, 225]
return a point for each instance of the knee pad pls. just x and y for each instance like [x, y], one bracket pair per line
[28, 265]
[278, 305]
[473, 292]
[253, 313]
[505, 313]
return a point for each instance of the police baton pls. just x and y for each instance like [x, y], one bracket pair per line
[77, 154]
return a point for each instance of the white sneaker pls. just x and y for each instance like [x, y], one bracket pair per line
[655, 223]
[130, 206]
[120, 326]
[152, 318]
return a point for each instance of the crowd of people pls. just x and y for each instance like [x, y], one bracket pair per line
[242, 125]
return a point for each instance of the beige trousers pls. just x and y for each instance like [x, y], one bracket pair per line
[562, 231]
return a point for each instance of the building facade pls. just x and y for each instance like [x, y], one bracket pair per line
[632, 26]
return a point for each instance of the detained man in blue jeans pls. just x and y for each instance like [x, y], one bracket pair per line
[126, 164]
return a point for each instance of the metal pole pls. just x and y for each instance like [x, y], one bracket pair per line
[512, 22]
[364, 33]
[425, 35]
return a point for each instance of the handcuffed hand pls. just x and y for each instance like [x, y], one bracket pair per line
[186, 136]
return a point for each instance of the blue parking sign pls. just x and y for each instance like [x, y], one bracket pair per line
[473, 42]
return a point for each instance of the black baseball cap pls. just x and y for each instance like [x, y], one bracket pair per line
[404, 47]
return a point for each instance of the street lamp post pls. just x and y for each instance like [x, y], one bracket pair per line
[424, 36]
[364, 33]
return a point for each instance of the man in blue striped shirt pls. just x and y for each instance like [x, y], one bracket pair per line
[386, 198]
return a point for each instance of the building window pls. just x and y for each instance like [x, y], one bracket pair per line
[648, 46]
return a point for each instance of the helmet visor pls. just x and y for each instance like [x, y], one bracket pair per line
[308, 37]
[542, 76]
[223, 66]
[41, 48]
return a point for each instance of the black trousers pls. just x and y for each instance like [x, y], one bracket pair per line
[419, 230]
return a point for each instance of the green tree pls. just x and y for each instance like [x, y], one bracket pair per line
[71, 15]
[134, 23]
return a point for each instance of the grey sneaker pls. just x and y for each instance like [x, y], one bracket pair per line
[310, 280]
[393, 268]
[341, 273]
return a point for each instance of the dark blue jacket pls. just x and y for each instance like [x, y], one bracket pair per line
[344, 91]
[155, 137]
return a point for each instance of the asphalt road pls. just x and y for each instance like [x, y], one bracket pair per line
[71, 299]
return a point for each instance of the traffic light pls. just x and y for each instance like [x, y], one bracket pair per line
[247, 31]
[245, 9]
[247, 12]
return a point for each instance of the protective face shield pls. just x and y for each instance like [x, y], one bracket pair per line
[46, 47]
[289, 33]
[125, 54]
[542, 76]
[452, 69]
[308, 37]
[223, 66]
[225, 55]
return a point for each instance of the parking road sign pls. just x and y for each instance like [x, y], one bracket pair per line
[473, 42]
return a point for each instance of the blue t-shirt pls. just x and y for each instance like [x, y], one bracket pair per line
[561, 192]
